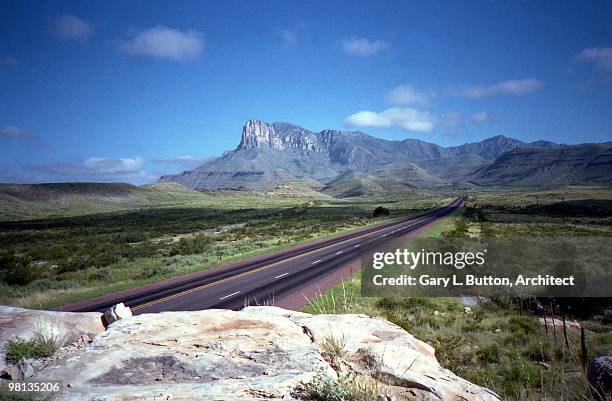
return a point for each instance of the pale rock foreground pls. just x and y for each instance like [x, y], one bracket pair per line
[259, 353]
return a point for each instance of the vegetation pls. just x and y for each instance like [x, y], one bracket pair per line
[39, 346]
[54, 260]
[381, 211]
[501, 345]
[348, 387]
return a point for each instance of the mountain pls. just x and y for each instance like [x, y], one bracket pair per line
[282, 151]
[342, 163]
[587, 164]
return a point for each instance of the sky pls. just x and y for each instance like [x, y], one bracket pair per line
[128, 91]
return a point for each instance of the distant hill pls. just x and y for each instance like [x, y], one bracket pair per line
[586, 164]
[25, 201]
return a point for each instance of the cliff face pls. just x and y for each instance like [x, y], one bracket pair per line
[259, 353]
[279, 136]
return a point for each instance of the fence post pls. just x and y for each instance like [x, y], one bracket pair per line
[583, 349]
[564, 330]
[552, 314]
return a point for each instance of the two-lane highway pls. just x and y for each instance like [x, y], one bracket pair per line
[266, 278]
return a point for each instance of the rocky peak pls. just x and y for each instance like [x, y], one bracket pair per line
[278, 135]
[258, 134]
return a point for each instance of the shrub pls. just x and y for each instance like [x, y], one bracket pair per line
[524, 324]
[381, 211]
[39, 346]
[132, 237]
[346, 388]
[539, 351]
[489, 353]
[404, 303]
[19, 270]
[192, 245]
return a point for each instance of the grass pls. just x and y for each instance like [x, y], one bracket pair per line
[495, 346]
[55, 260]
[37, 347]
[348, 387]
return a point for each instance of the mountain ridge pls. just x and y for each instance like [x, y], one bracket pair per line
[284, 151]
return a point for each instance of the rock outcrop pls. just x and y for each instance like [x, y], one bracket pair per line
[254, 354]
[64, 327]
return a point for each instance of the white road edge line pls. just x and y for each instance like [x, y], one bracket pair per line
[316, 261]
[284, 274]
[339, 252]
[356, 246]
[227, 296]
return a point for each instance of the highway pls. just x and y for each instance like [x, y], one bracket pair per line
[262, 279]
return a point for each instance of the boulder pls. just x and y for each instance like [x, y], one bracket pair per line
[259, 353]
[599, 375]
[20, 371]
[65, 327]
[119, 311]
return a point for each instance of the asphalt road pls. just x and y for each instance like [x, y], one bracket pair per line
[262, 279]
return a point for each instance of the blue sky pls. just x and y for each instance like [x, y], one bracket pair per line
[126, 91]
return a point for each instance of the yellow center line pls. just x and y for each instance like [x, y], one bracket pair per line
[199, 288]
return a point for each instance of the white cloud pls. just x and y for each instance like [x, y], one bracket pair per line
[481, 117]
[406, 118]
[98, 169]
[511, 87]
[407, 95]
[69, 27]
[362, 47]
[601, 57]
[12, 133]
[164, 42]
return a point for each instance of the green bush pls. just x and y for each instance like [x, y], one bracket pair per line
[524, 324]
[19, 270]
[489, 353]
[381, 211]
[198, 243]
[404, 303]
[132, 237]
[39, 346]
[539, 351]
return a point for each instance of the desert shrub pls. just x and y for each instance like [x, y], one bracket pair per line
[381, 211]
[523, 324]
[346, 388]
[518, 375]
[404, 303]
[452, 351]
[191, 245]
[132, 237]
[539, 351]
[39, 346]
[489, 353]
[19, 270]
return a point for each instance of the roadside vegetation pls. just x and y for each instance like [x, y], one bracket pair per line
[500, 344]
[51, 261]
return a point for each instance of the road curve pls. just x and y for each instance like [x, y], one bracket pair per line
[264, 278]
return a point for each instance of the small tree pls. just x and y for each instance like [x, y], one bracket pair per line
[381, 211]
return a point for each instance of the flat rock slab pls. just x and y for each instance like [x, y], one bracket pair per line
[66, 327]
[259, 353]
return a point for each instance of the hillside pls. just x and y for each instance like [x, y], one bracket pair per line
[588, 164]
[24, 201]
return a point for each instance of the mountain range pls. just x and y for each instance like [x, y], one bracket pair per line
[354, 163]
